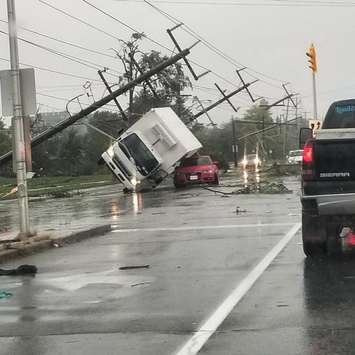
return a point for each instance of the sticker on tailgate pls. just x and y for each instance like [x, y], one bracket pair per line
[333, 175]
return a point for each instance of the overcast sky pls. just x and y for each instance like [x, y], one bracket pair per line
[270, 41]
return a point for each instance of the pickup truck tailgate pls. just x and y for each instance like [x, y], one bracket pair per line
[335, 160]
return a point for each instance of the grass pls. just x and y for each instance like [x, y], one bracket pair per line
[55, 186]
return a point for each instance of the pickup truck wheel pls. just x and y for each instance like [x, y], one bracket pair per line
[334, 244]
[314, 235]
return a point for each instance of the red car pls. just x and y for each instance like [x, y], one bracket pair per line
[196, 170]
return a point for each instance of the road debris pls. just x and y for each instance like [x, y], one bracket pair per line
[282, 170]
[134, 267]
[60, 194]
[218, 191]
[267, 188]
[239, 211]
[12, 191]
[141, 284]
[5, 295]
[21, 270]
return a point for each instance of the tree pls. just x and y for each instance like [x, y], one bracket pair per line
[168, 84]
[5, 140]
[72, 154]
[5, 146]
[260, 142]
[215, 143]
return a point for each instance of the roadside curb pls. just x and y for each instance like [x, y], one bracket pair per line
[47, 241]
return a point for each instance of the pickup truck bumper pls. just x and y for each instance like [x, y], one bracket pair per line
[329, 205]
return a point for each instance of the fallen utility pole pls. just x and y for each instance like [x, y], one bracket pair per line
[268, 107]
[203, 109]
[96, 105]
[261, 122]
[100, 72]
[267, 129]
[225, 98]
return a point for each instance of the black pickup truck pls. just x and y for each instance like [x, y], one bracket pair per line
[328, 181]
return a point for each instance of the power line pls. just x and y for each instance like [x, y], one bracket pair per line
[212, 47]
[78, 19]
[83, 62]
[55, 71]
[155, 42]
[65, 42]
[124, 24]
[272, 3]
[133, 29]
[67, 100]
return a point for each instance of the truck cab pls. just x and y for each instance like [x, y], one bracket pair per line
[328, 182]
[132, 160]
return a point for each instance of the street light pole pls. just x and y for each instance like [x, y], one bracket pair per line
[18, 124]
[315, 107]
[312, 55]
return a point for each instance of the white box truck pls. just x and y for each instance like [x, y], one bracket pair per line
[149, 150]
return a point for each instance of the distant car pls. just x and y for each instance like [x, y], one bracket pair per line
[196, 170]
[251, 161]
[295, 156]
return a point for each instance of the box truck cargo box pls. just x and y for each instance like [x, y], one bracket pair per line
[149, 150]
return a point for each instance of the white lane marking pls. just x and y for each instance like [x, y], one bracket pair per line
[186, 228]
[208, 328]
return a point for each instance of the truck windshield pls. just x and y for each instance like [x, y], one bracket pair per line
[341, 114]
[139, 152]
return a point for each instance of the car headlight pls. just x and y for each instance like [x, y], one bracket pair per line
[110, 151]
[244, 162]
[134, 181]
[257, 161]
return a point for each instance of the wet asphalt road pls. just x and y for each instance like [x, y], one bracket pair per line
[199, 250]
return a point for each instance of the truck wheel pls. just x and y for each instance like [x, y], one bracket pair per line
[314, 235]
[334, 244]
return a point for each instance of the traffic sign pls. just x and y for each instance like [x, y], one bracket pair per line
[315, 124]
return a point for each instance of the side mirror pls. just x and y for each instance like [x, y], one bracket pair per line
[305, 135]
[218, 165]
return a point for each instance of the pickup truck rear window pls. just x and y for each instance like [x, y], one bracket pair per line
[340, 115]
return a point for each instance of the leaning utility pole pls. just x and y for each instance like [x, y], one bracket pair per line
[102, 102]
[18, 124]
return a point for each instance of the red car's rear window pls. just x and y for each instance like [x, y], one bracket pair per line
[196, 161]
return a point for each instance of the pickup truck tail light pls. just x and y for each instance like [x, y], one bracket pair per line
[308, 161]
